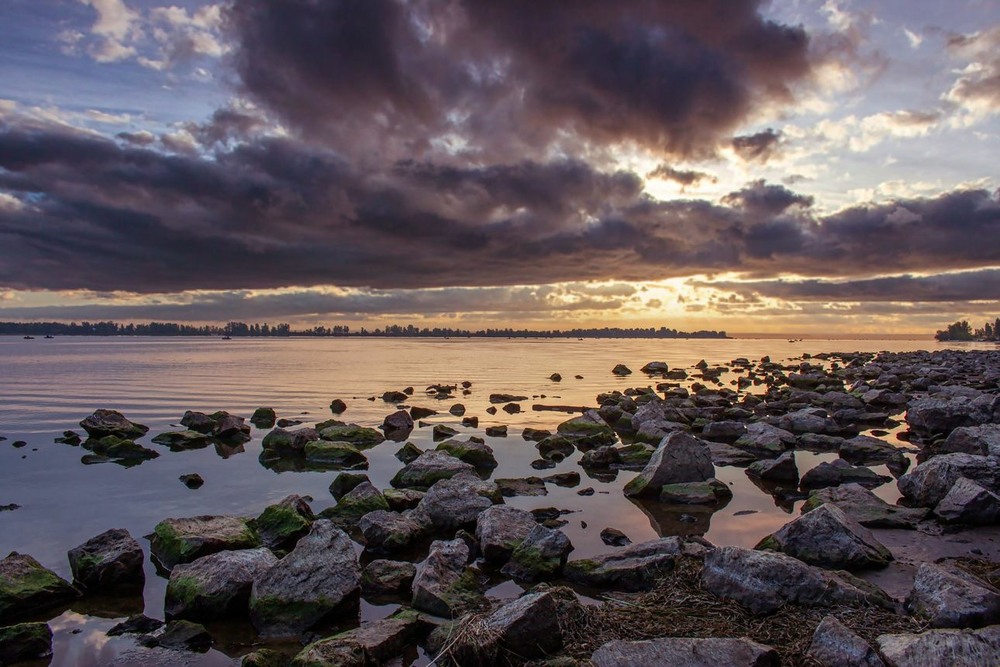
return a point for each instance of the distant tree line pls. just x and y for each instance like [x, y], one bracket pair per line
[242, 329]
[962, 330]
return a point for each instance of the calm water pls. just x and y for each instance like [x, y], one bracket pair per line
[47, 386]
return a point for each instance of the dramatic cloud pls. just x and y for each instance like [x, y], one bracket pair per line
[685, 177]
[515, 77]
[757, 147]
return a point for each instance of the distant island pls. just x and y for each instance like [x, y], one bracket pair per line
[284, 330]
[961, 330]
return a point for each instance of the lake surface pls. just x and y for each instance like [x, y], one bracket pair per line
[48, 386]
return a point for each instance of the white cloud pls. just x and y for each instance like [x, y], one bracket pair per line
[915, 39]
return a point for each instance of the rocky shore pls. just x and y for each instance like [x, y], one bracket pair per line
[836, 585]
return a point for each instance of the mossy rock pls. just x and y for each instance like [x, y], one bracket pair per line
[359, 436]
[183, 439]
[115, 447]
[636, 454]
[345, 482]
[589, 430]
[361, 500]
[476, 453]
[183, 540]
[263, 417]
[25, 641]
[342, 454]
[264, 657]
[27, 587]
[280, 525]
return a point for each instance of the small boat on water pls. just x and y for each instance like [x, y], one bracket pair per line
[29, 338]
[227, 338]
[49, 337]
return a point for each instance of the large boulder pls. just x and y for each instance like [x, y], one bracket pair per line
[928, 483]
[808, 420]
[215, 586]
[316, 580]
[183, 540]
[428, 468]
[500, 528]
[839, 472]
[980, 440]
[111, 422]
[969, 503]
[828, 537]
[457, 502]
[633, 568]
[281, 525]
[866, 450]
[680, 457]
[764, 581]
[955, 648]
[952, 598]
[540, 555]
[835, 645]
[724, 431]
[108, 561]
[374, 643]
[940, 416]
[865, 507]
[445, 585]
[765, 440]
[26, 587]
[516, 632]
[25, 641]
[710, 652]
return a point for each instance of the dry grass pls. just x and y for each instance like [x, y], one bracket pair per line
[678, 607]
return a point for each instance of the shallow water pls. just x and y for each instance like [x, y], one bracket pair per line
[47, 386]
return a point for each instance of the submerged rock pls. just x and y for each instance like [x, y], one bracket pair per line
[316, 580]
[183, 540]
[216, 586]
[710, 652]
[26, 587]
[110, 560]
[828, 537]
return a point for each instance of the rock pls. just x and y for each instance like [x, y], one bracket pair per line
[111, 560]
[710, 492]
[398, 421]
[587, 430]
[781, 469]
[540, 555]
[264, 657]
[727, 455]
[334, 454]
[679, 458]
[841, 472]
[215, 586]
[615, 538]
[928, 483]
[374, 643]
[455, 503]
[471, 422]
[711, 652]
[140, 624]
[316, 580]
[111, 422]
[633, 568]
[834, 645]
[458, 409]
[526, 486]
[940, 416]
[181, 635]
[500, 529]
[352, 506]
[403, 499]
[230, 427]
[387, 577]
[518, 631]
[565, 479]
[555, 377]
[556, 447]
[359, 436]
[724, 431]
[122, 449]
[506, 398]
[69, 438]
[445, 586]
[417, 412]
[496, 431]
[512, 408]
[428, 468]
[344, 482]
[955, 648]
[471, 451]
[866, 450]
[817, 442]
[621, 369]
[392, 531]
[535, 434]
[979, 440]
[180, 440]
[26, 587]
[281, 525]
[337, 406]
[192, 481]
[183, 540]
[289, 442]
[263, 417]
[764, 581]
[653, 431]
[969, 503]
[948, 597]
[25, 641]
[808, 420]
[829, 538]
[408, 452]
[865, 507]
[655, 367]
[394, 396]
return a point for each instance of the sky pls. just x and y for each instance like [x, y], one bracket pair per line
[814, 166]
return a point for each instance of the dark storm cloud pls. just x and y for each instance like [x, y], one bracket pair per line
[757, 147]
[101, 215]
[685, 177]
[514, 77]
[981, 285]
